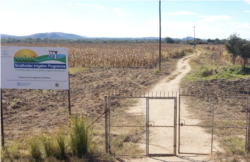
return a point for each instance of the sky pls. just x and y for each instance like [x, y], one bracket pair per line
[213, 19]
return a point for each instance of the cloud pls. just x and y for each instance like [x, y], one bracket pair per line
[85, 4]
[118, 11]
[214, 18]
[247, 1]
[181, 13]
[247, 11]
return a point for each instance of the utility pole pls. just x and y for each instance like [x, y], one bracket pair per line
[159, 35]
[187, 39]
[194, 36]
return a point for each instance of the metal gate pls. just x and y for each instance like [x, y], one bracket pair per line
[175, 128]
[166, 124]
[204, 142]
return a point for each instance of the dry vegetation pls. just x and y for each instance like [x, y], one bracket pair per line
[96, 70]
[115, 55]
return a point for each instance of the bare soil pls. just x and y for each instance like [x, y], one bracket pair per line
[27, 112]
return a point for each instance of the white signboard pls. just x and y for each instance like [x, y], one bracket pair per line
[34, 68]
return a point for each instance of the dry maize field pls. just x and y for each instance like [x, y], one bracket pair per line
[115, 55]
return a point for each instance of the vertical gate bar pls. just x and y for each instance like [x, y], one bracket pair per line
[147, 126]
[109, 104]
[179, 132]
[2, 127]
[106, 124]
[212, 139]
[175, 124]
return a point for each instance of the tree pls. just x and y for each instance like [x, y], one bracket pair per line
[169, 40]
[232, 46]
[243, 48]
[216, 41]
[198, 41]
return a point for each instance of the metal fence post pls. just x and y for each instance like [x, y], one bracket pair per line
[106, 123]
[248, 122]
[212, 138]
[109, 106]
[2, 127]
[147, 126]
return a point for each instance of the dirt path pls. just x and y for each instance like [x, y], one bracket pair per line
[161, 112]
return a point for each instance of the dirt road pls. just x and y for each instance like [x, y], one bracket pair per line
[161, 113]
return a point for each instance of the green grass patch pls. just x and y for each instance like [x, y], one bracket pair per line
[223, 72]
[73, 70]
[234, 145]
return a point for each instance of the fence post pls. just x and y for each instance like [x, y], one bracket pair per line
[248, 114]
[69, 106]
[106, 123]
[2, 126]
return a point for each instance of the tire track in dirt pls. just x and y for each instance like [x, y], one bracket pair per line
[162, 113]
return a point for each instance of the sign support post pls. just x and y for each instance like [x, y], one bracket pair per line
[2, 128]
[69, 98]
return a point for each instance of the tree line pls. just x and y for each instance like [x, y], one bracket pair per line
[113, 40]
[196, 41]
[86, 40]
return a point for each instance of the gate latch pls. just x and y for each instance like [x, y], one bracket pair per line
[151, 123]
[182, 122]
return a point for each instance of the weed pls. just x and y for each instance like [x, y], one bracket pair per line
[35, 149]
[156, 71]
[61, 143]
[2, 153]
[49, 146]
[79, 136]
[14, 151]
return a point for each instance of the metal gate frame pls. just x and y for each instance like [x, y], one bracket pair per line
[107, 105]
[148, 126]
[247, 140]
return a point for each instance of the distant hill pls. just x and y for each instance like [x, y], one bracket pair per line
[52, 35]
[8, 36]
[59, 35]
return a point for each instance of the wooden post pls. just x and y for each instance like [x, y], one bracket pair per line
[106, 123]
[69, 98]
[2, 128]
